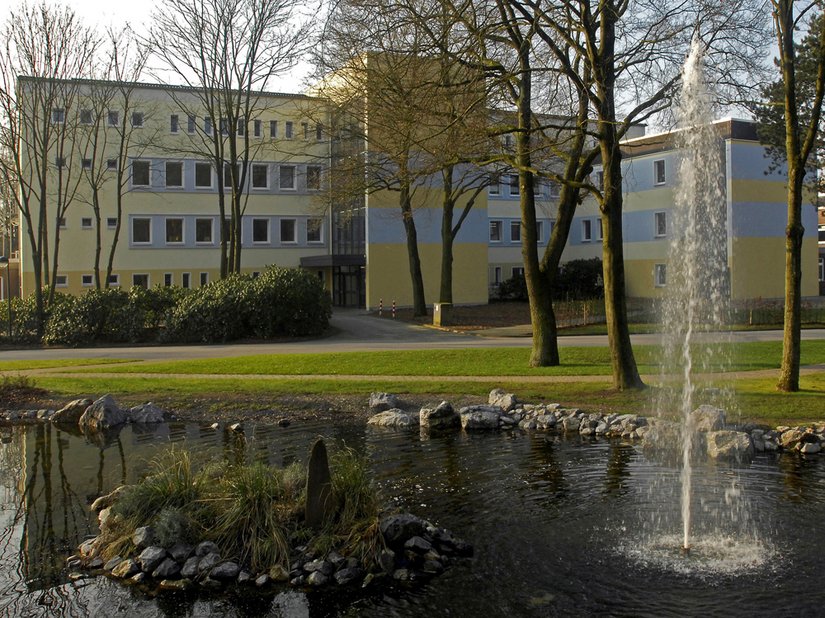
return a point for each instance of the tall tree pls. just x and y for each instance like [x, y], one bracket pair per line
[227, 52]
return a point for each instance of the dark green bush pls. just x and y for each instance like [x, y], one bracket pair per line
[514, 288]
[579, 280]
[111, 315]
[288, 301]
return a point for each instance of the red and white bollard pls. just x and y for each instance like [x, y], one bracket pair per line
[393, 308]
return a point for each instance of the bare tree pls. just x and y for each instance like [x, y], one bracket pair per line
[227, 52]
[44, 47]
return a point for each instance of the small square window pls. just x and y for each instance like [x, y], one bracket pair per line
[58, 115]
[86, 223]
[286, 177]
[167, 280]
[260, 176]
[260, 230]
[141, 231]
[203, 175]
[204, 279]
[60, 162]
[140, 173]
[659, 176]
[203, 231]
[114, 280]
[87, 281]
[660, 219]
[86, 116]
[273, 128]
[137, 120]
[495, 231]
[111, 222]
[174, 123]
[174, 174]
[314, 227]
[555, 189]
[174, 231]
[660, 275]
[514, 187]
[288, 231]
[186, 280]
[140, 281]
[515, 231]
[87, 164]
[113, 118]
[61, 281]
[61, 222]
[111, 164]
[518, 271]
[313, 178]
[587, 230]
[288, 129]
[494, 187]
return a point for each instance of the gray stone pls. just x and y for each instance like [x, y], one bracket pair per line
[208, 562]
[386, 560]
[112, 563]
[319, 506]
[147, 413]
[88, 548]
[479, 417]
[809, 448]
[245, 577]
[103, 414]
[790, 438]
[504, 400]
[443, 416]
[393, 418]
[418, 544]
[151, 557]
[127, 568]
[70, 413]
[349, 575]
[167, 569]
[211, 584]
[181, 552]
[95, 563]
[570, 423]
[262, 580]
[144, 537]
[325, 566]
[336, 559]
[397, 529]
[175, 584]
[139, 578]
[317, 579]
[432, 567]
[206, 547]
[401, 575]
[278, 573]
[236, 427]
[707, 418]
[380, 402]
[190, 568]
[729, 445]
[225, 571]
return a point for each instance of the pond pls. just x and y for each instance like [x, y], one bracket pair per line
[559, 526]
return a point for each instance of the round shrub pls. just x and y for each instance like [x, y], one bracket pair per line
[98, 315]
[288, 301]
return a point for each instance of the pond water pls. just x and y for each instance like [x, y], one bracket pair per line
[559, 526]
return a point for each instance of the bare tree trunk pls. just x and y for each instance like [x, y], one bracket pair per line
[419, 302]
[445, 293]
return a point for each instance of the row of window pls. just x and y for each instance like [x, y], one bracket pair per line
[257, 127]
[510, 181]
[138, 279]
[587, 228]
[659, 274]
[259, 174]
[174, 227]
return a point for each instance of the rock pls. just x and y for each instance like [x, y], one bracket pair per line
[178, 585]
[298, 581]
[225, 571]
[103, 414]
[809, 448]
[504, 400]
[443, 416]
[401, 575]
[112, 563]
[789, 438]
[278, 574]
[70, 413]
[167, 569]
[707, 418]
[103, 518]
[244, 577]
[151, 557]
[397, 529]
[144, 537]
[236, 427]
[570, 423]
[336, 559]
[284, 422]
[88, 548]
[147, 413]
[127, 568]
[319, 504]
[190, 568]
[211, 584]
[208, 562]
[324, 566]
[386, 560]
[479, 417]
[139, 578]
[181, 552]
[432, 567]
[104, 502]
[393, 418]
[380, 402]
[95, 563]
[418, 544]
[262, 580]
[206, 547]
[349, 575]
[729, 444]
[317, 579]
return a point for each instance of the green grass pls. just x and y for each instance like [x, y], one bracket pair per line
[22, 365]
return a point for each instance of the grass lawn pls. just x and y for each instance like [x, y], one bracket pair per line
[20, 365]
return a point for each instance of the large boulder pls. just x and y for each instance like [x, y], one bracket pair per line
[70, 413]
[501, 398]
[729, 445]
[707, 418]
[398, 529]
[103, 414]
[147, 413]
[393, 418]
[319, 506]
[379, 402]
[480, 417]
[151, 558]
[440, 417]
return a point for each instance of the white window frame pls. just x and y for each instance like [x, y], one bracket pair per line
[539, 231]
[252, 176]
[211, 240]
[174, 243]
[86, 117]
[315, 223]
[659, 172]
[112, 118]
[515, 231]
[191, 124]
[186, 280]
[166, 174]
[132, 240]
[587, 230]
[140, 275]
[58, 115]
[319, 132]
[61, 222]
[497, 274]
[517, 271]
[305, 130]
[267, 240]
[86, 164]
[114, 280]
[203, 279]
[87, 281]
[494, 187]
[111, 222]
[822, 268]
[257, 128]
[111, 165]
[273, 129]
[495, 225]
[86, 223]
[148, 164]
[61, 281]
[288, 241]
[599, 230]
[168, 280]
[281, 186]
[318, 170]
[174, 124]
[514, 188]
[207, 125]
[289, 132]
[137, 120]
[659, 215]
[200, 165]
[660, 275]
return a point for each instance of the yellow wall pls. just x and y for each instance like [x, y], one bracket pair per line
[758, 268]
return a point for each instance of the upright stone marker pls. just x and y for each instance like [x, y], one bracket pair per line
[319, 487]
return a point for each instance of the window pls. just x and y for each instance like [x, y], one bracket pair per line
[113, 118]
[240, 126]
[288, 129]
[140, 173]
[313, 178]
[87, 164]
[111, 164]
[203, 175]
[660, 275]
[659, 177]
[86, 116]
[185, 280]
[137, 120]
[660, 219]
[174, 174]
[497, 274]
[141, 231]
[305, 130]
[87, 281]
[538, 187]
[495, 231]
[191, 124]
[260, 176]
[507, 141]
[514, 189]
[286, 177]
[140, 281]
[85, 223]
[599, 179]
[319, 132]
[174, 230]
[61, 222]
[587, 230]
[204, 279]
[114, 280]
[228, 183]
[61, 281]
[260, 230]
[599, 230]
[60, 162]
[111, 222]
[822, 269]
[539, 231]
[203, 230]
[494, 188]
[207, 125]
[314, 226]
[273, 128]
[555, 189]
[58, 115]
[167, 280]
[518, 271]
[257, 128]
[288, 231]
[515, 231]
[256, 274]
[174, 124]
